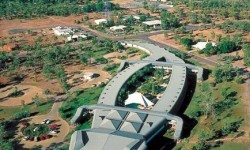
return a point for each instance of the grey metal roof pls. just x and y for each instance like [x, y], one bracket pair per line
[116, 127]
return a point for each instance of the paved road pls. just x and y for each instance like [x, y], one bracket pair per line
[145, 36]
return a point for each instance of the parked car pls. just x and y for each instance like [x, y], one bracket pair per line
[25, 138]
[48, 121]
[44, 121]
[36, 128]
[53, 126]
[36, 139]
[54, 131]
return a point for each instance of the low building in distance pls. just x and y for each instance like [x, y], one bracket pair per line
[118, 29]
[62, 30]
[76, 37]
[156, 24]
[101, 21]
[202, 45]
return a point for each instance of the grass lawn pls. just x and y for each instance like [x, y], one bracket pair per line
[112, 69]
[215, 122]
[87, 97]
[233, 146]
[99, 53]
[8, 112]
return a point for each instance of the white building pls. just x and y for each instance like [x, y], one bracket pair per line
[125, 17]
[136, 17]
[62, 30]
[156, 24]
[118, 29]
[101, 21]
[77, 37]
[202, 45]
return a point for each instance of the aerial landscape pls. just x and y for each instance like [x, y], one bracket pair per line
[116, 74]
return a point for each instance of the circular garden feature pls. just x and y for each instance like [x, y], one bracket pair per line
[36, 130]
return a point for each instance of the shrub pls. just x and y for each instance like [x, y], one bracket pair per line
[238, 79]
[226, 46]
[47, 91]
[22, 114]
[187, 43]
[102, 60]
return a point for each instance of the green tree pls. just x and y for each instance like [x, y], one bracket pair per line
[110, 22]
[246, 51]
[187, 42]
[210, 49]
[223, 73]
[212, 35]
[169, 20]
[193, 17]
[226, 46]
[36, 100]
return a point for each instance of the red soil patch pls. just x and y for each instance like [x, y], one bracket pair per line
[168, 41]
[7, 25]
[207, 34]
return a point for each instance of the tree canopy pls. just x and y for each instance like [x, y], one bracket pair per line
[169, 20]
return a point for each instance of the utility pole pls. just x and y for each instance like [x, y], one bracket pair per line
[106, 9]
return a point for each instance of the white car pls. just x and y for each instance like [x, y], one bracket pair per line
[54, 131]
[25, 138]
[36, 128]
[44, 121]
[48, 121]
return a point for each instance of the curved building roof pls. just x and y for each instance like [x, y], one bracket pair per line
[115, 127]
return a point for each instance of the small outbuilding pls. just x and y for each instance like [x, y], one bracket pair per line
[202, 45]
[77, 37]
[101, 21]
[118, 29]
[156, 24]
[62, 30]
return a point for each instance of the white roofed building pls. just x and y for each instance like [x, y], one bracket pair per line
[62, 30]
[156, 24]
[101, 21]
[202, 45]
[138, 98]
[118, 29]
[76, 37]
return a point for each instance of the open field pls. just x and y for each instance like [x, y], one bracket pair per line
[207, 34]
[214, 122]
[9, 112]
[37, 24]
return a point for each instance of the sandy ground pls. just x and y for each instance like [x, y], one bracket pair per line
[207, 34]
[114, 56]
[57, 138]
[169, 41]
[29, 92]
[32, 85]
[7, 25]
[29, 85]
[81, 83]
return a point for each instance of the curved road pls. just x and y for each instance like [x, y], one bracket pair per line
[145, 36]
